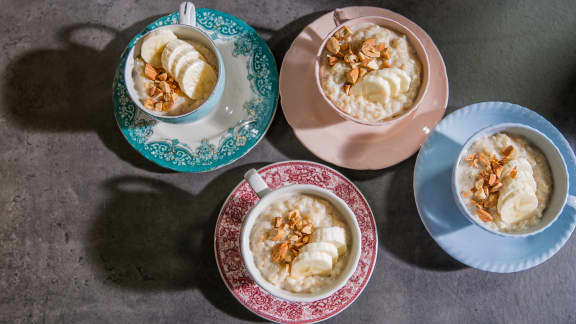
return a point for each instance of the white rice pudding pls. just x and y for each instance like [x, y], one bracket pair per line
[368, 107]
[182, 103]
[525, 177]
[321, 215]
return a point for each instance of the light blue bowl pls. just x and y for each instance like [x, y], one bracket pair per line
[555, 160]
[184, 32]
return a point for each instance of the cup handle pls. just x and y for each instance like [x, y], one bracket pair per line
[257, 183]
[340, 17]
[571, 201]
[187, 14]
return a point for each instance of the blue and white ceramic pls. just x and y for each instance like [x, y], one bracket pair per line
[235, 126]
[444, 221]
[185, 29]
[554, 158]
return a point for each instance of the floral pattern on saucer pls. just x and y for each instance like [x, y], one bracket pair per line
[229, 258]
[209, 153]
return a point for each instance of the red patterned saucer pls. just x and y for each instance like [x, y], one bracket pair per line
[229, 258]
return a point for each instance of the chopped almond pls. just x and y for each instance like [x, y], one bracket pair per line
[158, 106]
[150, 72]
[492, 179]
[513, 173]
[352, 75]
[498, 171]
[386, 65]
[484, 216]
[483, 159]
[332, 60]
[363, 72]
[162, 76]
[307, 229]
[294, 217]
[497, 187]
[293, 238]
[380, 47]
[149, 103]
[165, 87]
[507, 151]
[276, 234]
[479, 184]
[385, 53]
[279, 252]
[347, 89]
[333, 45]
[471, 157]
[277, 221]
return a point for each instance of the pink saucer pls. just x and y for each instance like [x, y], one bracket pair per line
[236, 276]
[342, 142]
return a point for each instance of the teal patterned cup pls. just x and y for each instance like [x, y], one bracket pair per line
[186, 30]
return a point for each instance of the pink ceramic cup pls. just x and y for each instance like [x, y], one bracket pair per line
[340, 20]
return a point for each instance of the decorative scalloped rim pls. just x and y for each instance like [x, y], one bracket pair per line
[206, 157]
[556, 137]
[372, 261]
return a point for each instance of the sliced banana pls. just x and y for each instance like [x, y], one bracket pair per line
[517, 206]
[173, 50]
[373, 88]
[198, 79]
[185, 58]
[405, 79]
[335, 235]
[153, 45]
[311, 263]
[324, 247]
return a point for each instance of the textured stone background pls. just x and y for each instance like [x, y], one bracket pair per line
[91, 232]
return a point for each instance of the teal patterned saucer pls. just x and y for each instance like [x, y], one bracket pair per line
[237, 125]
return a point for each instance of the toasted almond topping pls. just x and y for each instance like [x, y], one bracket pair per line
[385, 53]
[471, 157]
[386, 65]
[497, 187]
[333, 45]
[332, 60]
[507, 151]
[492, 179]
[293, 238]
[306, 239]
[498, 171]
[380, 47]
[483, 159]
[162, 76]
[158, 106]
[363, 71]
[276, 234]
[475, 163]
[347, 88]
[152, 91]
[277, 221]
[165, 87]
[307, 229]
[279, 252]
[150, 72]
[288, 258]
[466, 194]
[513, 173]
[149, 103]
[484, 215]
[350, 58]
[294, 217]
[486, 190]
[479, 183]
[480, 194]
[343, 32]
[352, 75]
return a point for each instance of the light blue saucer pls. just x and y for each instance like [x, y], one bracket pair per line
[461, 239]
[239, 122]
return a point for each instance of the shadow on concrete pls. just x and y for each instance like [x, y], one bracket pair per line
[69, 89]
[401, 231]
[151, 236]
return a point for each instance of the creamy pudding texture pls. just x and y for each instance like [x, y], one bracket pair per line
[519, 190]
[180, 65]
[386, 88]
[311, 261]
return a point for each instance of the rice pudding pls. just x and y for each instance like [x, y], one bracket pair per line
[173, 76]
[300, 243]
[505, 182]
[370, 72]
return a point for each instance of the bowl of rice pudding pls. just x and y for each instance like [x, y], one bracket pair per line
[175, 73]
[299, 242]
[511, 180]
[372, 70]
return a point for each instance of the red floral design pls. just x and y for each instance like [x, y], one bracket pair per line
[235, 275]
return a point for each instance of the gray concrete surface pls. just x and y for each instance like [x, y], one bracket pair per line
[90, 232]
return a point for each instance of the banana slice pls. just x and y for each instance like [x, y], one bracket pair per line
[517, 206]
[405, 79]
[373, 88]
[153, 45]
[324, 247]
[335, 235]
[521, 165]
[173, 50]
[185, 58]
[311, 263]
[198, 79]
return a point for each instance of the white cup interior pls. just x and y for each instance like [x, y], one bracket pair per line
[556, 163]
[339, 205]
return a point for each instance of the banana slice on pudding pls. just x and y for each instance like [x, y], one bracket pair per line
[153, 46]
[323, 247]
[175, 49]
[311, 263]
[197, 79]
[381, 85]
[334, 235]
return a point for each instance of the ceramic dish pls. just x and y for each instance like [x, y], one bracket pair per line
[267, 197]
[234, 127]
[342, 142]
[392, 24]
[444, 221]
[237, 277]
[186, 29]
[554, 159]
